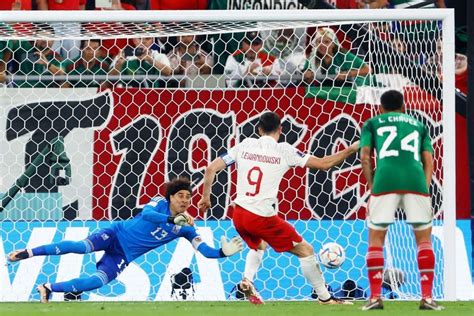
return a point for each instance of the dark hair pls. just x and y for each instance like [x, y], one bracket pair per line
[86, 42]
[269, 122]
[177, 185]
[391, 100]
[252, 38]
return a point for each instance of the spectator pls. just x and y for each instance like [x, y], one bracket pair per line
[67, 48]
[435, 66]
[189, 59]
[141, 59]
[61, 4]
[288, 45]
[90, 63]
[178, 5]
[15, 5]
[361, 4]
[248, 66]
[37, 58]
[330, 63]
[113, 45]
[115, 5]
[5, 54]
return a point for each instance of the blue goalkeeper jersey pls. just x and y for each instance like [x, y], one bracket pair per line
[150, 229]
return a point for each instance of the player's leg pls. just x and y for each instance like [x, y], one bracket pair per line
[253, 261]
[60, 248]
[426, 265]
[311, 270]
[375, 266]
[95, 242]
[252, 264]
[381, 213]
[243, 220]
[420, 216]
[108, 268]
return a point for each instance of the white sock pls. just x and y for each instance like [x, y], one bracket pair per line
[313, 274]
[252, 263]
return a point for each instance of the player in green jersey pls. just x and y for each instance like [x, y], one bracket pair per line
[404, 159]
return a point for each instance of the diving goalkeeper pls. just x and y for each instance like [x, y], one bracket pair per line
[161, 221]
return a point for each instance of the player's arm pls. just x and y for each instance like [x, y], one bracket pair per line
[366, 147]
[427, 156]
[228, 247]
[427, 161]
[151, 213]
[366, 162]
[216, 165]
[328, 162]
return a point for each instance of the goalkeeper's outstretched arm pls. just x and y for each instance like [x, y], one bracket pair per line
[228, 247]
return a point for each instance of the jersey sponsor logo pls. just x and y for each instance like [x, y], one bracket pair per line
[300, 153]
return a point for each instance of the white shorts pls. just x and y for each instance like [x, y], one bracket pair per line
[382, 208]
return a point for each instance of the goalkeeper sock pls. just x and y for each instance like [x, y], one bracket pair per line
[313, 274]
[426, 264]
[63, 247]
[375, 263]
[93, 282]
[252, 263]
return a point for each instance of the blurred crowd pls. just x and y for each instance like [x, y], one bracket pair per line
[287, 57]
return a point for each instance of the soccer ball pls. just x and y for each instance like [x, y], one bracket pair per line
[332, 255]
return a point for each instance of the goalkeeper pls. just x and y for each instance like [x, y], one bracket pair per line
[161, 221]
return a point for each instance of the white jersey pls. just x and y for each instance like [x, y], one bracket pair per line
[261, 164]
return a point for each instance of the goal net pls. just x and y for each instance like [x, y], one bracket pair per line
[100, 109]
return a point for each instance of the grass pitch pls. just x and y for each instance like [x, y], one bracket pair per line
[295, 308]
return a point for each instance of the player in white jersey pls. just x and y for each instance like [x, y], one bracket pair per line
[261, 164]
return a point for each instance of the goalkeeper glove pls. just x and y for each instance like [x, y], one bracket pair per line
[180, 220]
[232, 246]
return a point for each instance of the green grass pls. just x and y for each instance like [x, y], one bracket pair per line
[296, 308]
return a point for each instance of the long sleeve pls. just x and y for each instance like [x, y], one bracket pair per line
[149, 214]
[210, 252]
[196, 241]
[154, 212]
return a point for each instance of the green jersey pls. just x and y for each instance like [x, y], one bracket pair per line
[398, 139]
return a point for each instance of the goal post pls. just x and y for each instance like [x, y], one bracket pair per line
[140, 130]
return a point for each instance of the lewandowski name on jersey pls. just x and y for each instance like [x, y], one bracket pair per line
[261, 158]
